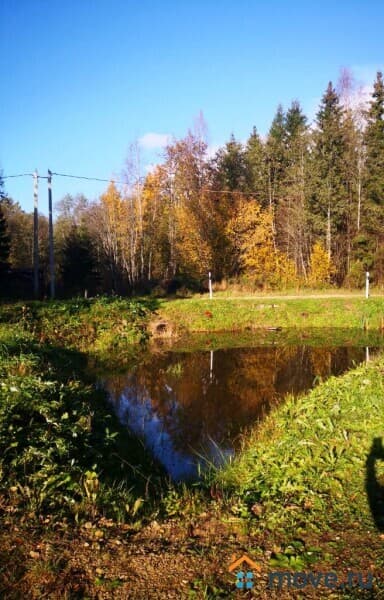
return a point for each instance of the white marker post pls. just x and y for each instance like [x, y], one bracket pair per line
[210, 285]
[367, 284]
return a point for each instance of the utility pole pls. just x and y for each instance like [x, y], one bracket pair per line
[35, 235]
[51, 255]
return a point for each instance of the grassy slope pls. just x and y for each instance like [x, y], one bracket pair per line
[311, 453]
[221, 314]
[60, 447]
[313, 475]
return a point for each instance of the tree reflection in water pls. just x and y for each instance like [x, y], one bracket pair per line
[189, 404]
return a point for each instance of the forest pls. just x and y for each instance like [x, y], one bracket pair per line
[301, 206]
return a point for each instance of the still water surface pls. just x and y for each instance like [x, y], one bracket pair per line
[190, 407]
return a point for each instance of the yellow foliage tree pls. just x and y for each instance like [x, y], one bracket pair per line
[109, 229]
[320, 266]
[251, 232]
[193, 251]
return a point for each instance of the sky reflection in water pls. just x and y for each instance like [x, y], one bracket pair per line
[186, 406]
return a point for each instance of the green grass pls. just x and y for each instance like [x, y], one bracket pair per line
[98, 325]
[308, 462]
[62, 451]
[239, 314]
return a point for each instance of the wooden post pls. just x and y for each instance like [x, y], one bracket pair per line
[210, 285]
[367, 284]
[51, 254]
[35, 235]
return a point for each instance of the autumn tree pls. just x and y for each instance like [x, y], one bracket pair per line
[188, 208]
[155, 217]
[108, 223]
[251, 231]
[320, 266]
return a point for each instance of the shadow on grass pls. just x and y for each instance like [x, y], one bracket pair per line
[57, 426]
[374, 485]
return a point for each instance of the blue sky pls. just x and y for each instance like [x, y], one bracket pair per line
[83, 79]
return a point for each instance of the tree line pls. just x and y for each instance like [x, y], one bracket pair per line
[302, 206]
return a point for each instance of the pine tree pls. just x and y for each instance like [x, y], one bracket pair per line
[231, 167]
[5, 244]
[374, 141]
[295, 122]
[256, 168]
[291, 216]
[3, 195]
[373, 223]
[329, 200]
[78, 267]
[276, 156]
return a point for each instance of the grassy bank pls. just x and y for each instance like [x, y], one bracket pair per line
[313, 455]
[84, 511]
[310, 484]
[238, 314]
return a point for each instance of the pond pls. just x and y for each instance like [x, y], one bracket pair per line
[190, 407]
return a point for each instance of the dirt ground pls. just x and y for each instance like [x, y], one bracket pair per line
[164, 561]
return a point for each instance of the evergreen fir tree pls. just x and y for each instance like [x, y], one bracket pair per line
[276, 156]
[78, 267]
[295, 123]
[329, 200]
[373, 184]
[231, 167]
[374, 142]
[291, 217]
[5, 244]
[256, 168]
[2, 191]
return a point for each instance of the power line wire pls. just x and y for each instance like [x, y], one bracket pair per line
[19, 175]
[125, 183]
[88, 178]
[62, 175]
[206, 191]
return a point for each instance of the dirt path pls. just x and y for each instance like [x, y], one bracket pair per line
[298, 296]
[163, 561]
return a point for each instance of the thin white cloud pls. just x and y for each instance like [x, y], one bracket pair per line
[366, 74]
[360, 96]
[151, 167]
[212, 149]
[152, 140]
